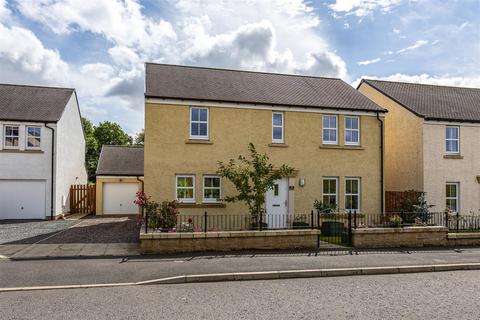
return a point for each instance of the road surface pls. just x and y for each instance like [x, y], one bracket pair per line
[442, 295]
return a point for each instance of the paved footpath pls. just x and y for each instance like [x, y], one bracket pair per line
[142, 268]
[67, 250]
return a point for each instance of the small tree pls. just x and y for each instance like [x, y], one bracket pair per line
[252, 178]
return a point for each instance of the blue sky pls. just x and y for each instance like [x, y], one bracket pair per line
[99, 47]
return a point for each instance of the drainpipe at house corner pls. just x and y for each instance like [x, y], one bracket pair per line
[143, 190]
[53, 170]
[381, 162]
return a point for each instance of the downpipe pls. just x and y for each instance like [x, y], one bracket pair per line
[382, 200]
[53, 170]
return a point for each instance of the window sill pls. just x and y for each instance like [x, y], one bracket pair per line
[20, 151]
[344, 147]
[453, 156]
[198, 141]
[201, 205]
[278, 145]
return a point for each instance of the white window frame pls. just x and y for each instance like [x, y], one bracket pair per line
[457, 195]
[324, 128]
[282, 140]
[350, 143]
[5, 136]
[197, 137]
[452, 139]
[331, 194]
[359, 194]
[187, 200]
[219, 188]
[26, 138]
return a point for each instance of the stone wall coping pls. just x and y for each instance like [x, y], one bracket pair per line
[414, 229]
[226, 234]
[464, 235]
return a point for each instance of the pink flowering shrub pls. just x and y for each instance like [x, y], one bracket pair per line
[158, 216]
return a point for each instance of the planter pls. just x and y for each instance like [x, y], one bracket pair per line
[332, 228]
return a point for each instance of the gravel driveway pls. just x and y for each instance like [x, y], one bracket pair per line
[86, 230]
[28, 231]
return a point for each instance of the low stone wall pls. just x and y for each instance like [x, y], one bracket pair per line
[156, 243]
[433, 236]
[464, 239]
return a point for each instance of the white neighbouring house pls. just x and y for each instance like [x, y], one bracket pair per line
[42, 151]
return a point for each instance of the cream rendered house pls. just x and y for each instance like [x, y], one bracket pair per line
[432, 141]
[324, 128]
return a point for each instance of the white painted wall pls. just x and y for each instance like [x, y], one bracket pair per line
[70, 155]
[69, 168]
[21, 165]
[438, 170]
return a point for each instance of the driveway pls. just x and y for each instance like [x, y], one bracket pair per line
[30, 231]
[99, 230]
[87, 230]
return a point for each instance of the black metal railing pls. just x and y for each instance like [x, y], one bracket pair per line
[333, 227]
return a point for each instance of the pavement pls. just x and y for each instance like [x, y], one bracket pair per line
[107, 270]
[446, 295]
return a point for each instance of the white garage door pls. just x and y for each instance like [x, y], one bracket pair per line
[118, 197]
[22, 199]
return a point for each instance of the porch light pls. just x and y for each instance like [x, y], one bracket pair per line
[301, 182]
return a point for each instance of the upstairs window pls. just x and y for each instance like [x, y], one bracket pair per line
[352, 194]
[452, 140]
[212, 186]
[33, 137]
[277, 127]
[451, 192]
[330, 191]
[330, 129]
[352, 130]
[198, 123]
[185, 188]
[11, 137]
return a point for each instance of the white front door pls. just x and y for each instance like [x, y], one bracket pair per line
[277, 205]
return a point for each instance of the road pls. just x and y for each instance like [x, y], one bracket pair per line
[88, 271]
[445, 295]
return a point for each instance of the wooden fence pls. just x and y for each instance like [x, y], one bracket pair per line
[394, 198]
[82, 198]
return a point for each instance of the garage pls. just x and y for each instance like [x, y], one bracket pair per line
[22, 199]
[118, 197]
[119, 177]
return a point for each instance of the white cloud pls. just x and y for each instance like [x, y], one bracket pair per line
[25, 51]
[4, 11]
[367, 62]
[416, 45]
[361, 8]
[221, 34]
[396, 31]
[445, 80]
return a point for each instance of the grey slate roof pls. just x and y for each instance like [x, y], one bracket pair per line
[209, 84]
[32, 103]
[433, 102]
[120, 161]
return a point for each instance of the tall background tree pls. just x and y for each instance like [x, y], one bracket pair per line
[106, 133]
